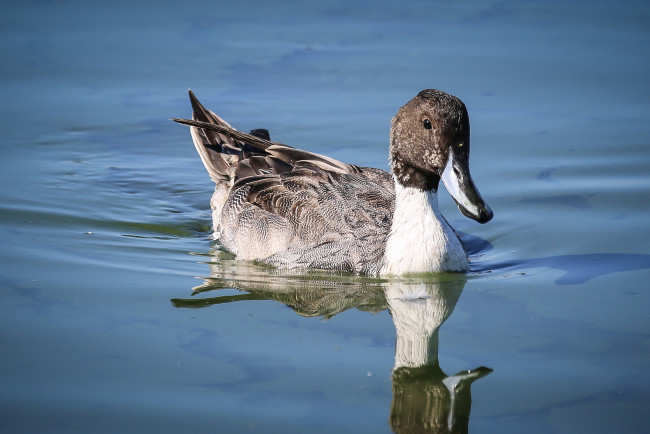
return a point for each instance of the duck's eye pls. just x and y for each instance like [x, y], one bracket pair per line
[427, 124]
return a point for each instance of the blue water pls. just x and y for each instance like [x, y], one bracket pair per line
[118, 314]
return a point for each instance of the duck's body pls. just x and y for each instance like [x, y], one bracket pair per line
[292, 208]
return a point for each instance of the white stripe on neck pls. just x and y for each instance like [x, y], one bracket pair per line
[420, 239]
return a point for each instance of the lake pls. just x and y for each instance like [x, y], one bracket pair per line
[120, 314]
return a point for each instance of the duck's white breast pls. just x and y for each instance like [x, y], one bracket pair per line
[421, 240]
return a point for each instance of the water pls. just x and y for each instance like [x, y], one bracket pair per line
[118, 314]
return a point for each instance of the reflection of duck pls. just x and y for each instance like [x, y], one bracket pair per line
[310, 293]
[295, 209]
[418, 310]
[424, 398]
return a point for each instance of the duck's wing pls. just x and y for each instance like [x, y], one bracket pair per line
[310, 218]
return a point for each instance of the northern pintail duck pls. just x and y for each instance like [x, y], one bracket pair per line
[292, 208]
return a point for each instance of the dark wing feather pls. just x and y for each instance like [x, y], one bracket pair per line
[279, 150]
[244, 170]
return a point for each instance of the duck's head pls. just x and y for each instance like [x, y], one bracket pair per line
[429, 141]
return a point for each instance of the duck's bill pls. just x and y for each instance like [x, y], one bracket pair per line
[460, 186]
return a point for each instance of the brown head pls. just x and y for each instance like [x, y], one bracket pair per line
[429, 138]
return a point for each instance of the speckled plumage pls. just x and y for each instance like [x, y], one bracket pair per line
[292, 208]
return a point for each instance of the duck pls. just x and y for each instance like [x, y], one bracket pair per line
[295, 209]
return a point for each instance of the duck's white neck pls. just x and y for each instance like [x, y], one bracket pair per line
[420, 239]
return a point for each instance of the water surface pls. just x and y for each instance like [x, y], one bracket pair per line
[119, 314]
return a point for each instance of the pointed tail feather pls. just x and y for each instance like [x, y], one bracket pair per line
[221, 147]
